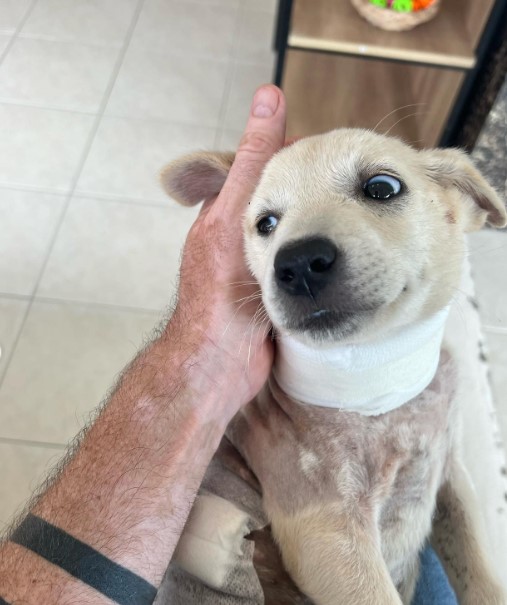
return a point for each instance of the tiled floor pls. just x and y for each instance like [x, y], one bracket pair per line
[95, 96]
[488, 255]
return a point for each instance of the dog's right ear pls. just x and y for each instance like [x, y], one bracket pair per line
[197, 176]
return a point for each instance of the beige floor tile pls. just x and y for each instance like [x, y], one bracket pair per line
[255, 41]
[56, 74]
[176, 26]
[22, 470]
[117, 253]
[497, 357]
[266, 5]
[216, 2]
[12, 312]
[40, 147]
[4, 40]
[488, 256]
[95, 21]
[480, 446]
[169, 87]
[67, 358]
[11, 13]
[28, 223]
[228, 140]
[247, 78]
[127, 155]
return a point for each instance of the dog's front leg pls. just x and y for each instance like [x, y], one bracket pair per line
[334, 557]
[458, 539]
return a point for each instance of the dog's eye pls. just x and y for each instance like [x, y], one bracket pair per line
[267, 224]
[382, 187]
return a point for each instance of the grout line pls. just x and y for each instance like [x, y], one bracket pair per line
[170, 122]
[236, 62]
[14, 37]
[30, 443]
[20, 187]
[80, 166]
[90, 195]
[498, 330]
[85, 303]
[115, 116]
[230, 75]
[3, 371]
[148, 203]
[14, 296]
[78, 42]
[98, 196]
[183, 54]
[93, 131]
[34, 105]
[176, 52]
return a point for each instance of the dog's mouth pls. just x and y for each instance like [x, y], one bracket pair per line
[322, 323]
[322, 319]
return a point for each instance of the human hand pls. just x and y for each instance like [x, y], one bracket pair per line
[127, 490]
[219, 315]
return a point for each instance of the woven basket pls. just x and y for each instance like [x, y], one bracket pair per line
[394, 20]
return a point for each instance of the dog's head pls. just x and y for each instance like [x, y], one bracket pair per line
[351, 233]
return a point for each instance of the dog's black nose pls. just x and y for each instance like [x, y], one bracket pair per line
[304, 266]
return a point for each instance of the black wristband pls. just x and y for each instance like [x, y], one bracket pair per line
[83, 562]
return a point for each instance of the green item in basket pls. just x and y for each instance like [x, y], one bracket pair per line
[382, 3]
[402, 6]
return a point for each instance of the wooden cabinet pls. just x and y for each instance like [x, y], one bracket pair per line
[338, 70]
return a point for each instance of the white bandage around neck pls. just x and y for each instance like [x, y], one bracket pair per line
[371, 378]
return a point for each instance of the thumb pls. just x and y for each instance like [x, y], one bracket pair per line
[264, 136]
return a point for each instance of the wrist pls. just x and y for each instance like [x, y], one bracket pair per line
[212, 378]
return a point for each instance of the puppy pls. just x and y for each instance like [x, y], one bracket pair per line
[357, 243]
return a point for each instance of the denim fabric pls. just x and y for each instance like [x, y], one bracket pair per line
[433, 587]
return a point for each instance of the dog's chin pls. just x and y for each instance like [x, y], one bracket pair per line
[325, 325]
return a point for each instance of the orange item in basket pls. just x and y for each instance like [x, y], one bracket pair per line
[420, 5]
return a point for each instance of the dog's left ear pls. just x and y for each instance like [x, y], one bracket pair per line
[197, 176]
[452, 168]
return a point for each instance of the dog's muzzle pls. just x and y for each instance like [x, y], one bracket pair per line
[305, 267]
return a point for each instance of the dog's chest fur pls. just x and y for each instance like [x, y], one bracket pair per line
[384, 468]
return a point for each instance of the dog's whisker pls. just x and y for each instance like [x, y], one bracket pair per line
[251, 297]
[460, 310]
[410, 115]
[395, 111]
[443, 281]
[267, 328]
[240, 284]
[235, 314]
[259, 317]
[262, 321]
[250, 328]
[246, 300]
[415, 141]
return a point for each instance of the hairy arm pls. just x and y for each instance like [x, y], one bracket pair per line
[128, 487]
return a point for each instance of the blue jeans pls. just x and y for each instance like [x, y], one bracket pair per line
[433, 587]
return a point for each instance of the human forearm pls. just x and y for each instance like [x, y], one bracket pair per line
[130, 502]
[127, 490]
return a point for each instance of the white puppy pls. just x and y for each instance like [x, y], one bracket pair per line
[357, 242]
